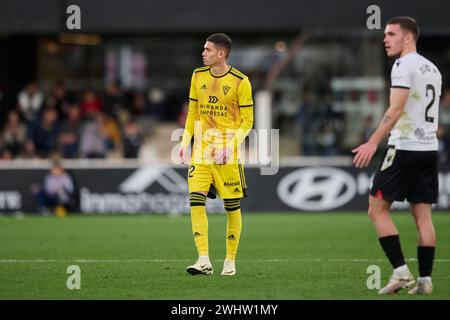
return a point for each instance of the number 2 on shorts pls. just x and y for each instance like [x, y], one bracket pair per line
[191, 170]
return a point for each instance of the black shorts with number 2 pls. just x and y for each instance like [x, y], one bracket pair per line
[411, 175]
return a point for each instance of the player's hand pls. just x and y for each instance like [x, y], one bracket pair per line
[364, 154]
[223, 155]
[182, 156]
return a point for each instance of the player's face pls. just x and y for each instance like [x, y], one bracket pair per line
[394, 40]
[211, 54]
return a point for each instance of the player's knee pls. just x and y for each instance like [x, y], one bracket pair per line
[423, 222]
[371, 213]
[232, 204]
[197, 199]
[374, 212]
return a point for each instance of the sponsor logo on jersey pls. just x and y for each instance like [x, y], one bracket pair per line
[213, 99]
[231, 184]
[419, 133]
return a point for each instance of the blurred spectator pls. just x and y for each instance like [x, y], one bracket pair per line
[367, 129]
[139, 105]
[92, 144]
[111, 133]
[333, 116]
[30, 101]
[443, 144]
[5, 154]
[146, 112]
[113, 100]
[131, 140]
[51, 103]
[156, 106]
[62, 97]
[29, 150]
[444, 110]
[309, 118]
[327, 141]
[14, 134]
[44, 133]
[90, 104]
[56, 193]
[444, 126]
[69, 136]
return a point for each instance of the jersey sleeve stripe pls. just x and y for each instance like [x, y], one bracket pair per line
[401, 87]
[201, 69]
[236, 75]
[193, 99]
[237, 72]
[247, 105]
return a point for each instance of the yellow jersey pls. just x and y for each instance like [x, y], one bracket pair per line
[220, 113]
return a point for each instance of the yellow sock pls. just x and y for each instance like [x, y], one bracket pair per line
[234, 226]
[199, 222]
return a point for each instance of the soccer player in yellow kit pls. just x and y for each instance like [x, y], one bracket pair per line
[220, 116]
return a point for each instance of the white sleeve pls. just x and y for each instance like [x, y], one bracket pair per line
[401, 76]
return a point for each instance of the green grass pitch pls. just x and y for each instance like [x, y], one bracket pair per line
[281, 256]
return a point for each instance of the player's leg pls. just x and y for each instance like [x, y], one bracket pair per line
[424, 223]
[230, 182]
[424, 192]
[390, 242]
[426, 247]
[199, 180]
[390, 184]
[379, 215]
[233, 234]
[389, 239]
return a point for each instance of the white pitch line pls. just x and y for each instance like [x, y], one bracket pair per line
[88, 260]
[188, 260]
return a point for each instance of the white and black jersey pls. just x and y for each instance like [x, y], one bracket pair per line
[416, 128]
[409, 168]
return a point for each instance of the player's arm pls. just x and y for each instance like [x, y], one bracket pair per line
[245, 100]
[189, 124]
[397, 102]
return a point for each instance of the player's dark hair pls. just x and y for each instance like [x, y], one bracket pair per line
[221, 40]
[407, 23]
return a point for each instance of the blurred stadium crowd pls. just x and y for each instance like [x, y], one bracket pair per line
[125, 86]
[108, 124]
[117, 123]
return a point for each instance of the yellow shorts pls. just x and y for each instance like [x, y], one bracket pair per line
[228, 179]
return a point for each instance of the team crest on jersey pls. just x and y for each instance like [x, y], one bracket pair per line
[203, 87]
[388, 159]
[226, 89]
